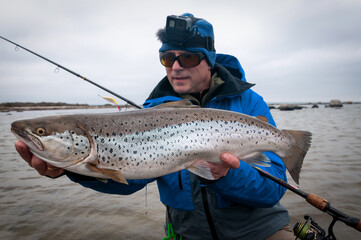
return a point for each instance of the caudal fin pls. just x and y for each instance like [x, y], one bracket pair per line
[293, 158]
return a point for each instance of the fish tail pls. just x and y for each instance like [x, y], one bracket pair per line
[293, 158]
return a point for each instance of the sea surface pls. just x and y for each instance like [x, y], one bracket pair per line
[35, 207]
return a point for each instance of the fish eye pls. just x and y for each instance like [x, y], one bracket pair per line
[40, 131]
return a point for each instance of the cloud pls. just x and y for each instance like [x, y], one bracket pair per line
[292, 50]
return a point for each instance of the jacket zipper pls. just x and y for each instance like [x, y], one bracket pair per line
[180, 180]
[208, 213]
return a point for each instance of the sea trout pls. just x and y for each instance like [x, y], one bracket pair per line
[150, 143]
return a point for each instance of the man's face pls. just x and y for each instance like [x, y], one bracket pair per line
[188, 80]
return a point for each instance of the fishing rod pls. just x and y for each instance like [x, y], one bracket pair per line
[74, 73]
[301, 230]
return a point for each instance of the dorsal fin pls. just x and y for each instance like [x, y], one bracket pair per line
[185, 103]
[262, 118]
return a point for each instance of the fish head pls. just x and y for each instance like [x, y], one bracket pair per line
[58, 141]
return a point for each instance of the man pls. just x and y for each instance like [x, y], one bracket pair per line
[239, 204]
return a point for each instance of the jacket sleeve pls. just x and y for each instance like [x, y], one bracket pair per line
[109, 186]
[245, 185]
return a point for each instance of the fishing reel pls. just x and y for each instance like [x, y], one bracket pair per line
[309, 230]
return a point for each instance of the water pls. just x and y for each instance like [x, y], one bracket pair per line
[332, 168]
[35, 207]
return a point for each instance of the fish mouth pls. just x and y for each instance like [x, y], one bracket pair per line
[27, 137]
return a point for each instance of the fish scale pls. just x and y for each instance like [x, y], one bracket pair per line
[154, 142]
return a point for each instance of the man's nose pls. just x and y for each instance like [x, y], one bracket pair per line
[176, 65]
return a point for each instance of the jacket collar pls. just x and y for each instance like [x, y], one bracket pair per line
[232, 85]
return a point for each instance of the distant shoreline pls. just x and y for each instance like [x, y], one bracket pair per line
[30, 106]
[35, 106]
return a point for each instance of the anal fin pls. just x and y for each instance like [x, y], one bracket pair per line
[257, 158]
[201, 169]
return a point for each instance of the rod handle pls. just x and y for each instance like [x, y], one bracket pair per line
[318, 202]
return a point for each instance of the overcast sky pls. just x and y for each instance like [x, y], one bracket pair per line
[293, 50]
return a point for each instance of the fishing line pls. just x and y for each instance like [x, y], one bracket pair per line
[17, 46]
[146, 213]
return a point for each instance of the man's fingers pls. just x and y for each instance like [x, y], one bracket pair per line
[43, 168]
[231, 160]
[46, 169]
[39, 165]
[54, 172]
[23, 151]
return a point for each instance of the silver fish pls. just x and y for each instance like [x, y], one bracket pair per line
[149, 143]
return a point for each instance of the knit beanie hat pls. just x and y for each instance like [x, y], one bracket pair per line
[204, 28]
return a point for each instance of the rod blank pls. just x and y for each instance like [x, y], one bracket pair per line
[74, 73]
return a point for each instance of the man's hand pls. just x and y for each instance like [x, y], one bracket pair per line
[219, 170]
[43, 168]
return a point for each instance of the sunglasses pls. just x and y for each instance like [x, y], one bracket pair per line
[187, 60]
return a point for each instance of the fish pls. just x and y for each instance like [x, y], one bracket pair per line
[149, 143]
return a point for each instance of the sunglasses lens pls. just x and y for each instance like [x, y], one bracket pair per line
[167, 60]
[189, 60]
[185, 60]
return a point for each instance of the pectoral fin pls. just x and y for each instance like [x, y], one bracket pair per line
[115, 175]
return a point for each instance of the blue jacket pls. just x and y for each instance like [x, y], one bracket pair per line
[243, 188]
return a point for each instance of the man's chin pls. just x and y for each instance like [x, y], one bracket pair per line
[181, 89]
